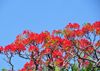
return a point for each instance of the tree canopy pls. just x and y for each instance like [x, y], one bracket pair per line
[72, 48]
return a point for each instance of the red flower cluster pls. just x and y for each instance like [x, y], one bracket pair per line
[55, 49]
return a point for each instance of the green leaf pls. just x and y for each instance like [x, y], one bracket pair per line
[47, 61]
[81, 53]
[90, 66]
[4, 69]
[34, 70]
[62, 70]
[75, 68]
[99, 32]
[95, 69]
[83, 69]
[98, 69]
[44, 68]
[56, 68]
[84, 24]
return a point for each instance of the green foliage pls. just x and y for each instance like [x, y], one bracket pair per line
[99, 32]
[56, 68]
[44, 68]
[75, 68]
[98, 69]
[84, 24]
[89, 68]
[4, 69]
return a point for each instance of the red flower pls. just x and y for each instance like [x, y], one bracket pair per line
[59, 62]
[26, 32]
[47, 50]
[57, 53]
[7, 48]
[98, 31]
[76, 26]
[79, 33]
[33, 48]
[1, 49]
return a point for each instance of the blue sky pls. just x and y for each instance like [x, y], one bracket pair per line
[40, 15]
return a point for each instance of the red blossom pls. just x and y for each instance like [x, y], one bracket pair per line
[33, 48]
[59, 62]
[1, 49]
[47, 50]
[57, 53]
[76, 26]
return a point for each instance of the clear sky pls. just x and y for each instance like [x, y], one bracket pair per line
[40, 15]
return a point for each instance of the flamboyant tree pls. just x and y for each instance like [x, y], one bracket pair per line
[63, 49]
